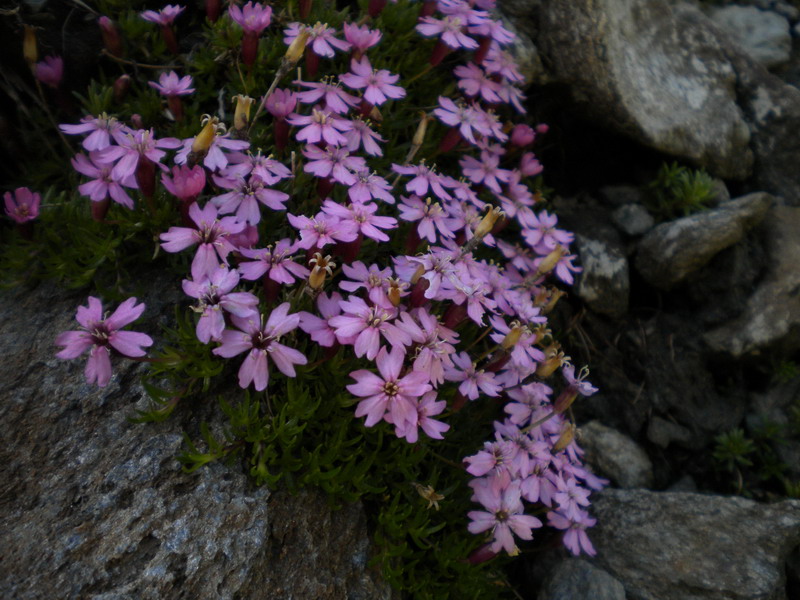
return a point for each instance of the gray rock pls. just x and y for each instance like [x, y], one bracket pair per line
[674, 250]
[577, 579]
[762, 34]
[604, 283]
[771, 318]
[94, 506]
[616, 456]
[645, 70]
[662, 433]
[633, 219]
[683, 546]
[684, 484]
[619, 195]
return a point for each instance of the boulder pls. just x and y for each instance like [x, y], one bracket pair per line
[577, 579]
[616, 456]
[764, 35]
[686, 546]
[771, 318]
[95, 506]
[641, 68]
[672, 251]
[604, 283]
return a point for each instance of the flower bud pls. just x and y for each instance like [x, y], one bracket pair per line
[553, 360]
[522, 135]
[565, 400]
[29, 50]
[121, 87]
[419, 135]
[111, 37]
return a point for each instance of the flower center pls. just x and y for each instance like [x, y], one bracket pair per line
[390, 388]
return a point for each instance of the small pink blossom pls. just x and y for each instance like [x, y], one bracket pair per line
[102, 128]
[367, 324]
[378, 85]
[275, 262]
[102, 335]
[361, 38]
[103, 185]
[320, 125]
[449, 29]
[261, 339]
[23, 205]
[504, 516]
[50, 71]
[318, 328]
[321, 38]
[281, 103]
[169, 84]
[185, 183]
[163, 17]
[336, 99]
[252, 17]
[389, 393]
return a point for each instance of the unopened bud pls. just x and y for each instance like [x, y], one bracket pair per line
[111, 37]
[375, 115]
[567, 435]
[417, 274]
[394, 292]
[241, 117]
[419, 135]
[565, 400]
[136, 121]
[551, 260]
[295, 50]
[487, 223]
[121, 87]
[29, 50]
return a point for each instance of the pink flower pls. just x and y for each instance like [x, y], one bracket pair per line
[100, 336]
[281, 103]
[434, 343]
[214, 295]
[389, 393]
[522, 135]
[361, 37]
[245, 196]
[449, 29]
[336, 99]
[185, 183]
[321, 38]
[425, 177]
[215, 158]
[102, 128]
[23, 205]
[575, 538]
[529, 165]
[212, 235]
[275, 262]
[253, 18]
[266, 168]
[333, 162]
[320, 125]
[363, 217]
[370, 185]
[163, 17]
[262, 341]
[431, 217]
[486, 171]
[50, 71]
[362, 135]
[367, 324]
[169, 84]
[466, 118]
[427, 407]
[318, 328]
[103, 184]
[373, 280]
[471, 379]
[503, 517]
[321, 230]
[136, 145]
[377, 84]
[474, 81]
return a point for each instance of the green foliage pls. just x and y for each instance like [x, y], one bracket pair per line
[678, 191]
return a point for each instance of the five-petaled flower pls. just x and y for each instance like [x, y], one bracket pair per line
[102, 335]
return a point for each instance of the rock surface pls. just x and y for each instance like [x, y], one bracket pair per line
[616, 456]
[684, 546]
[577, 579]
[633, 219]
[764, 35]
[604, 283]
[642, 68]
[672, 251]
[772, 315]
[94, 506]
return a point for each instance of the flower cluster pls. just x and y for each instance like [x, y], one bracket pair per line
[458, 313]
